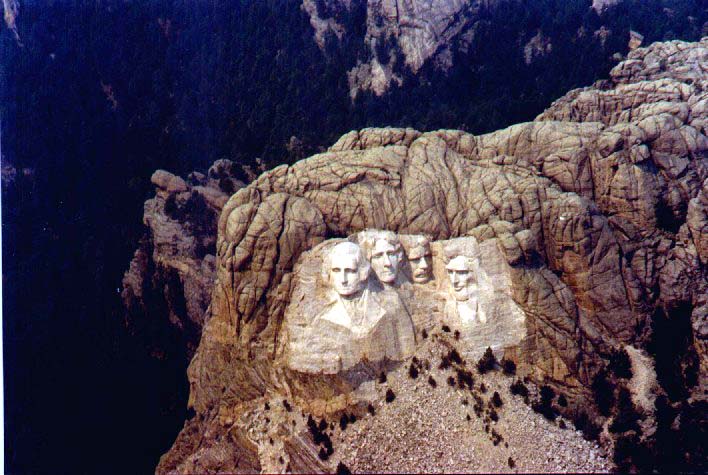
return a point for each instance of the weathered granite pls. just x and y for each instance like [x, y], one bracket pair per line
[597, 209]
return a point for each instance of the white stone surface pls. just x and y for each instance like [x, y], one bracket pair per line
[342, 314]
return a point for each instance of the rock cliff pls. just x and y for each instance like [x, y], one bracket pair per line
[419, 29]
[172, 272]
[599, 208]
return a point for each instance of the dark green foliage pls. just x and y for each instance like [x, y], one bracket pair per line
[390, 396]
[497, 400]
[496, 437]
[446, 329]
[382, 377]
[676, 363]
[627, 448]
[547, 394]
[620, 364]
[487, 362]
[483, 388]
[343, 469]
[451, 381]
[518, 388]
[424, 333]
[320, 437]
[681, 446]
[454, 356]
[562, 401]
[445, 362]
[171, 208]
[546, 411]
[287, 405]
[681, 426]
[493, 415]
[432, 382]
[464, 379]
[457, 334]
[604, 392]
[226, 185]
[412, 371]
[371, 409]
[343, 421]
[589, 429]
[266, 407]
[508, 367]
[561, 424]
[627, 417]
[511, 462]
[545, 405]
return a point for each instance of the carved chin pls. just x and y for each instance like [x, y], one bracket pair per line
[461, 295]
[387, 277]
[348, 290]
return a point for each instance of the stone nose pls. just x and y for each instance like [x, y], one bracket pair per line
[423, 263]
[386, 260]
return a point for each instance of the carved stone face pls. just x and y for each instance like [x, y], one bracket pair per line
[420, 258]
[345, 273]
[461, 277]
[385, 260]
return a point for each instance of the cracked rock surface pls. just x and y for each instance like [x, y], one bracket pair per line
[172, 272]
[600, 207]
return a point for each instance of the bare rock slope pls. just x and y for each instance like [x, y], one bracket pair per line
[173, 270]
[601, 209]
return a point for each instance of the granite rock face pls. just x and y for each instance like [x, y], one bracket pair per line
[421, 29]
[172, 272]
[598, 208]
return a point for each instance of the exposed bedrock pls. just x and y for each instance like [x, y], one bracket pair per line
[599, 207]
[167, 288]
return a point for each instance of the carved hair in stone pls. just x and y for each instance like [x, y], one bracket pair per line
[385, 253]
[460, 270]
[420, 258]
[345, 269]
[464, 290]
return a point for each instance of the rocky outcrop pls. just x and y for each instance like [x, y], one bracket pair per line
[419, 29]
[599, 209]
[172, 272]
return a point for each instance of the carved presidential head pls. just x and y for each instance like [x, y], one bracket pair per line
[384, 251]
[460, 270]
[420, 257]
[346, 269]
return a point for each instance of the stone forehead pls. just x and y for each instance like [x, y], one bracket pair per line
[459, 263]
[344, 260]
[381, 244]
[370, 237]
[419, 251]
[345, 248]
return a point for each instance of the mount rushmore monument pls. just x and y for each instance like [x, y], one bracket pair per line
[376, 291]
[558, 244]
